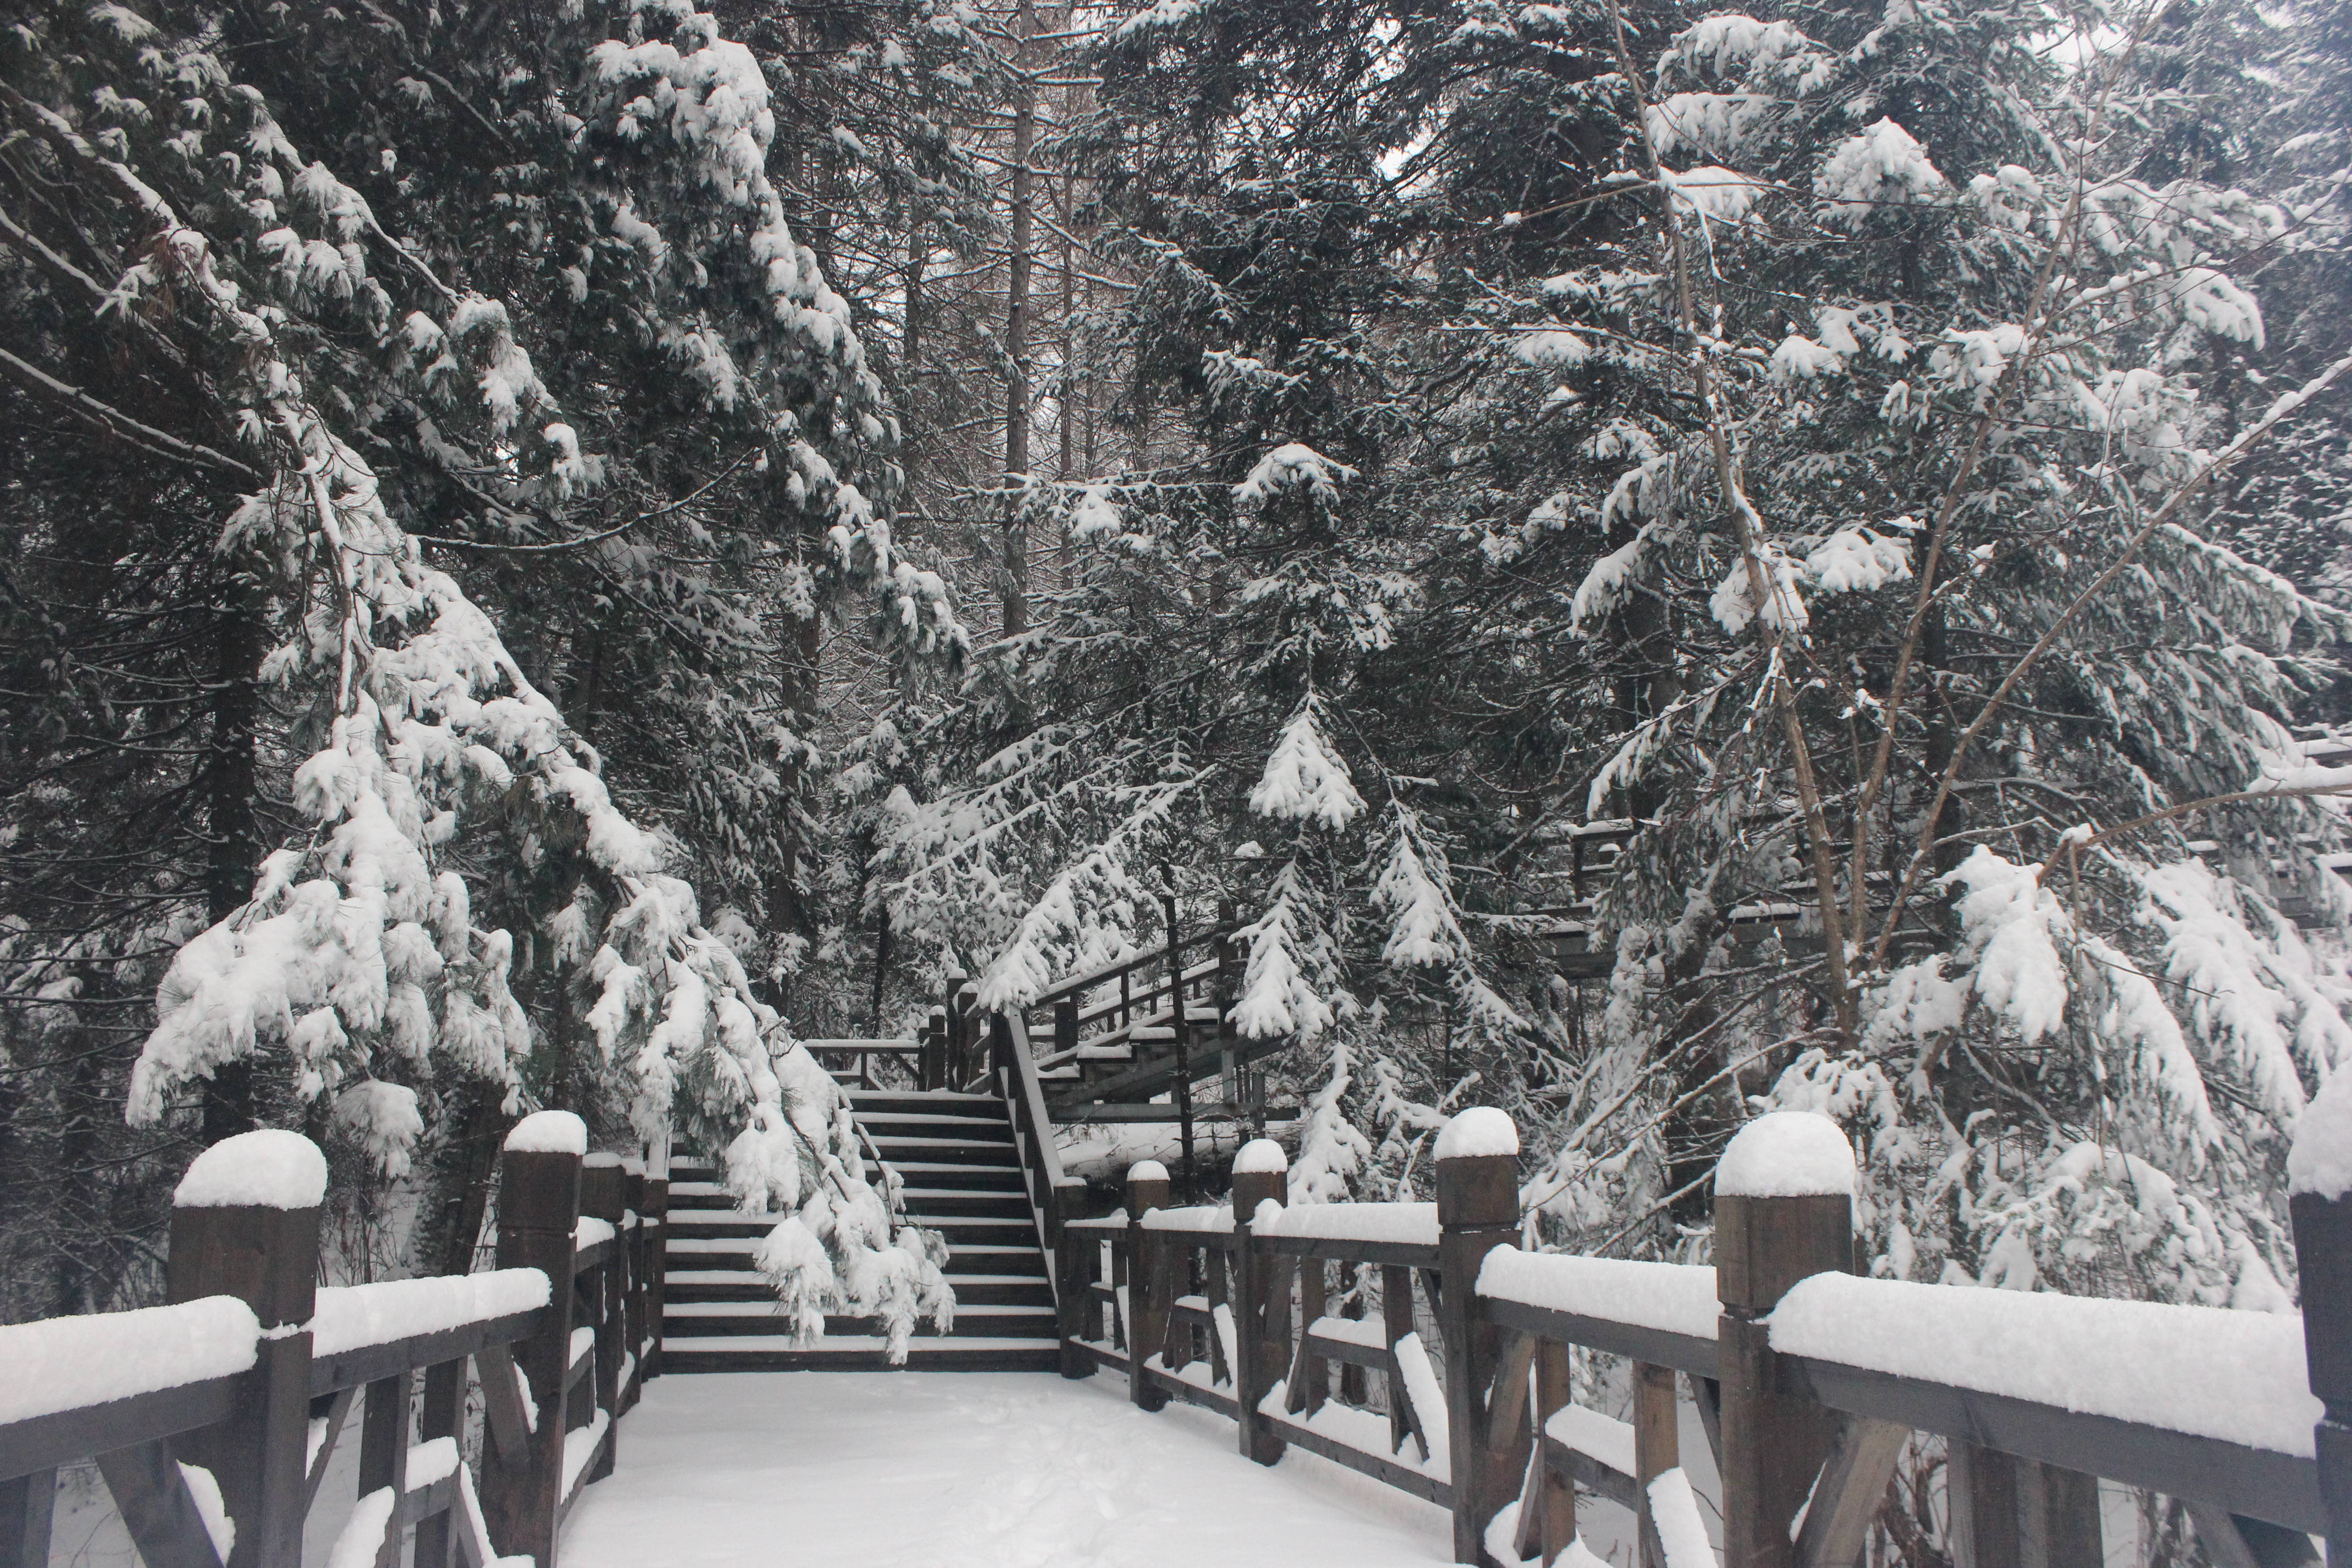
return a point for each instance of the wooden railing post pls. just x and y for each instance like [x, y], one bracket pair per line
[1783, 1211]
[539, 1209]
[1074, 1253]
[245, 1222]
[1261, 1323]
[603, 1193]
[440, 1414]
[654, 1219]
[2321, 1206]
[1066, 1025]
[640, 1252]
[1146, 1282]
[1477, 1211]
[931, 1066]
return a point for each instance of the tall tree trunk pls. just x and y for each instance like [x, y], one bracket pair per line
[1016, 344]
[787, 910]
[232, 835]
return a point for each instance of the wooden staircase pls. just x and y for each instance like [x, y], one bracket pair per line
[962, 1177]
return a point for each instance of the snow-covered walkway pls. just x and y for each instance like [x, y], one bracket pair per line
[969, 1470]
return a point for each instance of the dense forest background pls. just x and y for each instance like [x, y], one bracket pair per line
[546, 544]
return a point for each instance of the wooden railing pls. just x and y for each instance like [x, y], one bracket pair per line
[213, 1419]
[1808, 1381]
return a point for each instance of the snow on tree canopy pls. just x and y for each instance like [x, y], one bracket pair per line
[549, 1133]
[1260, 1156]
[1785, 1154]
[2320, 1163]
[66, 1364]
[1480, 1131]
[267, 1169]
[1305, 777]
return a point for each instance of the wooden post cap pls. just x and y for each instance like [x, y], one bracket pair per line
[1261, 1173]
[1477, 1170]
[1147, 1187]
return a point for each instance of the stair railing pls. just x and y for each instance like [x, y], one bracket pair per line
[1050, 1199]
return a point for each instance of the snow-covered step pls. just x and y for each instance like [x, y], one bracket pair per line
[861, 1353]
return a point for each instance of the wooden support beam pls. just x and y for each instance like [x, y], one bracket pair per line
[27, 1507]
[539, 1212]
[1477, 1211]
[383, 1452]
[441, 1414]
[338, 1410]
[1773, 1440]
[268, 1258]
[1853, 1483]
[1657, 1448]
[151, 1494]
[1146, 1285]
[1261, 1317]
[1554, 1388]
[1506, 1400]
[1981, 1484]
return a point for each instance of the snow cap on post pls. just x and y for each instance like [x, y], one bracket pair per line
[1482, 1130]
[2320, 1162]
[1787, 1154]
[268, 1168]
[1259, 1156]
[1147, 1171]
[549, 1133]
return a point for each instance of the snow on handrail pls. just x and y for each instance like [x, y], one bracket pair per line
[1412, 1225]
[71, 1364]
[348, 1317]
[2209, 1371]
[1677, 1297]
[1033, 1100]
[1218, 1218]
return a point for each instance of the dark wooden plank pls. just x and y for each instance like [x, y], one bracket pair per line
[1103, 1356]
[1659, 1347]
[1371, 1358]
[1396, 1322]
[1193, 1393]
[1507, 1400]
[1657, 1448]
[441, 1413]
[502, 1402]
[594, 1254]
[2255, 1482]
[1845, 1499]
[368, 1363]
[1379, 1466]
[1590, 1473]
[432, 1501]
[1391, 1254]
[44, 1442]
[152, 1496]
[383, 1451]
[2059, 1511]
[338, 1413]
[1555, 1386]
[28, 1506]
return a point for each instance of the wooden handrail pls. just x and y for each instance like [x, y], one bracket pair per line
[1786, 1426]
[1078, 984]
[249, 1430]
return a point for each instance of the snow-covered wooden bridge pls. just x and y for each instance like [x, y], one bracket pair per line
[1231, 1381]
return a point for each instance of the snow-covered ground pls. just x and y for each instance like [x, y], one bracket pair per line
[972, 1470]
